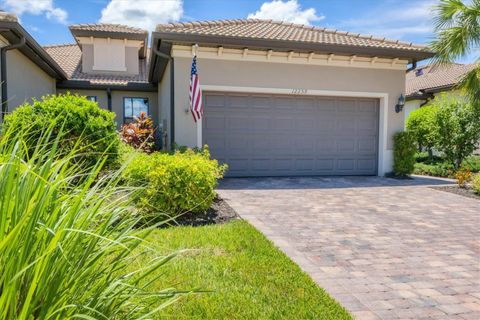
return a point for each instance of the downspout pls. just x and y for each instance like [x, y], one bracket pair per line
[109, 99]
[3, 72]
[172, 105]
[430, 97]
[172, 95]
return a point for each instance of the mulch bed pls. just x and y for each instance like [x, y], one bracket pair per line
[466, 192]
[219, 212]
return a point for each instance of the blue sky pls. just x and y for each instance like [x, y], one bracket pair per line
[407, 20]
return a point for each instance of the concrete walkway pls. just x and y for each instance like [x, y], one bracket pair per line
[383, 248]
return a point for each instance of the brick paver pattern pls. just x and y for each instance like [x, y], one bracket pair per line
[383, 248]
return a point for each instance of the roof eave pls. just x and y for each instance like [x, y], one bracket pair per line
[12, 31]
[425, 92]
[286, 45]
[86, 84]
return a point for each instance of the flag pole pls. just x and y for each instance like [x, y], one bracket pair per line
[199, 121]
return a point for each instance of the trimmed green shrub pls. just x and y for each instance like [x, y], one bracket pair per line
[476, 183]
[403, 153]
[82, 124]
[174, 183]
[457, 125]
[66, 243]
[421, 125]
[442, 169]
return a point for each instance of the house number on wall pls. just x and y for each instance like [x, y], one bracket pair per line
[299, 91]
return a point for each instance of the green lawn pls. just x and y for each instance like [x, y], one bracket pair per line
[248, 277]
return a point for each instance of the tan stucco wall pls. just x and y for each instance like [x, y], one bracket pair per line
[131, 60]
[25, 80]
[117, 101]
[285, 76]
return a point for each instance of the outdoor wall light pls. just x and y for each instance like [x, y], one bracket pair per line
[400, 104]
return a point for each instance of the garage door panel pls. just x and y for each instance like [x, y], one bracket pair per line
[261, 102]
[215, 100]
[285, 124]
[238, 165]
[238, 101]
[367, 106]
[367, 145]
[304, 164]
[346, 164]
[262, 123]
[282, 165]
[276, 135]
[346, 145]
[365, 164]
[261, 164]
[325, 145]
[306, 105]
[325, 164]
[305, 124]
[239, 122]
[346, 106]
[214, 122]
[285, 103]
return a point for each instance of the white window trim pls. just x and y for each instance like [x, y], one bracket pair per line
[384, 155]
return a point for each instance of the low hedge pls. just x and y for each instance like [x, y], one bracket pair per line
[175, 183]
[439, 167]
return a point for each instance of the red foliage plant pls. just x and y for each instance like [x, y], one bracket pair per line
[139, 133]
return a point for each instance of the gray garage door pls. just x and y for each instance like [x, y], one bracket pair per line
[279, 135]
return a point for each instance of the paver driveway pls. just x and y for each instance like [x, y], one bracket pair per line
[384, 248]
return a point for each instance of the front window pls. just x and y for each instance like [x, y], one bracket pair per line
[132, 107]
[92, 98]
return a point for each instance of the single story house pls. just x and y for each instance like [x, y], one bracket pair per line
[280, 99]
[429, 81]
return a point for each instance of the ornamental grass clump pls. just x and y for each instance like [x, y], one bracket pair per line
[67, 236]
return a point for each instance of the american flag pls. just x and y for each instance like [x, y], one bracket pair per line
[196, 105]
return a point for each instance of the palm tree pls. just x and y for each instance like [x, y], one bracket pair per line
[457, 29]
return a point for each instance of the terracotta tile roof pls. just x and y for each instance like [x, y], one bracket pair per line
[69, 56]
[275, 30]
[435, 77]
[107, 27]
[7, 16]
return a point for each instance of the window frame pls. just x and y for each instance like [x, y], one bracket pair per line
[131, 98]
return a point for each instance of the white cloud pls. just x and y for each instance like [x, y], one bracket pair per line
[390, 22]
[289, 11]
[144, 14]
[37, 7]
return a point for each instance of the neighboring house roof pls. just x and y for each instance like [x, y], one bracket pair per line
[434, 78]
[279, 36]
[12, 31]
[69, 57]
